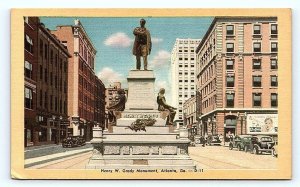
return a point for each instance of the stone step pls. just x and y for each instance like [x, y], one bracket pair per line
[138, 162]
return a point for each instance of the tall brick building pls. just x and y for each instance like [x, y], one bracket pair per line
[82, 80]
[30, 73]
[237, 74]
[46, 78]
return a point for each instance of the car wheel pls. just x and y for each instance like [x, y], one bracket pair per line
[255, 151]
[230, 146]
[239, 147]
[274, 153]
[246, 149]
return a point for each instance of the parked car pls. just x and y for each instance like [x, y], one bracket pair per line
[214, 140]
[275, 150]
[260, 144]
[73, 141]
[239, 142]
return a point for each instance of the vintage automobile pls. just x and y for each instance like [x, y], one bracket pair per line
[260, 144]
[275, 150]
[214, 140]
[239, 142]
[73, 141]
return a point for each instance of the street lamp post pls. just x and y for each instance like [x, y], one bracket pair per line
[214, 125]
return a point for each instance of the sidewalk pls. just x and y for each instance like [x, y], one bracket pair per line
[43, 159]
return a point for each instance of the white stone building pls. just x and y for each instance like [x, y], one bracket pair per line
[183, 74]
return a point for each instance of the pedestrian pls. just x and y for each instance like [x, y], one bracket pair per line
[203, 141]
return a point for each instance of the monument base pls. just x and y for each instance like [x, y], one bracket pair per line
[153, 147]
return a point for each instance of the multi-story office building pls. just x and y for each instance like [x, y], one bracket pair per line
[237, 75]
[52, 84]
[81, 80]
[110, 91]
[183, 72]
[189, 112]
[31, 133]
[99, 112]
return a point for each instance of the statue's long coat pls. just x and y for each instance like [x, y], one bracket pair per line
[135, 44]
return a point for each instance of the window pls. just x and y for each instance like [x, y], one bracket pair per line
[257, 99]
[274, 29]
[230, 47]
[41, 72]
[229, 100]
[229, 30]
[51, 56]
[46, 100]
[55, 104]
[28, 98]
[274, 100]
[46, 75]
[55, 81]
[229, 64]
[28, 44]
[274, 81]
[256, 47]
[256, 64]
[274, 64]
[28, 70]
[180, 58]
[274, 47]
[51, 102]
[51, 78]
[46, 51]
[41, 47]
[186, 59]
[65, 87]
[256, 81]
[256, 29]
[229, 81]
[41, 98]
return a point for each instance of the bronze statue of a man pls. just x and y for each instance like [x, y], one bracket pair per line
[163, 106]
[142, 44]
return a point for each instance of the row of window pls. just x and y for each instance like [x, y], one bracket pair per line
[256, 64]
[44, 100]
[187, 80]
[86, 99]
[192, 58]
[256, 100]
[256, 47]
[44, 50]
[186, 50]
[84, 68]
[86, 114]
[186, 66]
[86, 84]
[256, 81]
[256, 29]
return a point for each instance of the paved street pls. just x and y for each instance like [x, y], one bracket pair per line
[38, 151]
[209, 157]
[220, 157]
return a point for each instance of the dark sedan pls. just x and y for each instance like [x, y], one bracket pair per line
[73, 141]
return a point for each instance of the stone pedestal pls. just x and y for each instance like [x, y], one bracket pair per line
[154, 148]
